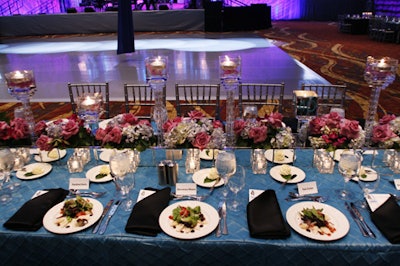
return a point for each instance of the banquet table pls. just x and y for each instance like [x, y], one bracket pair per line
[116, 247]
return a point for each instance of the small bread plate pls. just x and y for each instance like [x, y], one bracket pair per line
[51, 217]
[93, 172]
[26, 172]
[106, 154]
[199, 177]
[274, 154]
[207, 154]
[275, 172]
[50, 156]
[370, 175]
[209, 225]
[336, 218]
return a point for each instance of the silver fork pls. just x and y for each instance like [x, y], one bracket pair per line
[188, 197]
[92, 194]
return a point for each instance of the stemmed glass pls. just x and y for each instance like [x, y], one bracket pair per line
[349, 167]
[124, 180]
[236, 183]
[225, 163]
[6, 165]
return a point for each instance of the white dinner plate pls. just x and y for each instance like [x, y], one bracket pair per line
[209, 212]
[51, 216]
[288, 155]
[371, 175]
[336, 217]
[46, 167]
[199, 176]
[92, 172]
[275, 172]
[106, 153]
[45, 158]
[207, 154]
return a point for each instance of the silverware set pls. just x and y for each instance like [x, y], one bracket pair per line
[92, 194]
[222, 227]
[297, 197]
[360, 221]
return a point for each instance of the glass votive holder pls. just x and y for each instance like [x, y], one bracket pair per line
[192, 163]
[134, 158]
[388, 156]
[19, 162]
[258, 161]
[326, 164]
[83, 154]
[75, 164]
[395, 163]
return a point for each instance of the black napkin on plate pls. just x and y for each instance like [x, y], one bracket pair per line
[30, 216]
[387, 218]
[144, 216]
[264, 217]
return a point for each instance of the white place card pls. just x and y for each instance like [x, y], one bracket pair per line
[185, 189]
[397, 184]
[376, 200]
[254, 193]
[143, 193]
[78, 183]
[307, 188]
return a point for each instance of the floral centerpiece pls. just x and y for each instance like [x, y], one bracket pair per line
[126, 131]
[266, 133]
[14, 133]
[331, 132]
[386, 134]
[63, 133]
[195, 131]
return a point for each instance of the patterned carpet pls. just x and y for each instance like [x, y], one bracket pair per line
[338, 57]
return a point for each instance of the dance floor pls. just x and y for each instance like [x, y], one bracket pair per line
[193, 58]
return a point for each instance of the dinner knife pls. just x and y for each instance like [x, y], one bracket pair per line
[358, 222]
[358, 214]
[102, 216]
[225, 225]
[110, 215]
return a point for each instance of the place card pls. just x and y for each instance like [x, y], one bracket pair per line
[254, 193]
[307, 188]
[376, 200]
[143, 193]
[397, 184]
[79, 183]
[185, 189]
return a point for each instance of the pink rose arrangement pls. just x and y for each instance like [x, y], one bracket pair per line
[331, 132]
[386, 134]
[266, 133]
[14, 133]
[194, 131]
[63, 133]
[126, 131]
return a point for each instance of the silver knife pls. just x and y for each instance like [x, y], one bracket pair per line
[225, 227]
[218, 230]
[110, 214]
[358, 222]
[102, 216]
[366, 227]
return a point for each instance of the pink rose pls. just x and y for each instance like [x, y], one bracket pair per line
[350, 129]
[386, 119]
[333, 116]
[382, 133]
[130, 119]
[5, 131]
[258, 134]
[69, 129]
[169, 125]
[100, 134]
[195, 114]
[238, 126]
[275, 120]
[332, 123]
[115, 135]
[144, 122]
[20, 129]
[201, 140]
[40, 128]
[316, 125]
[44, 143]
[217, 124]
[339, 142]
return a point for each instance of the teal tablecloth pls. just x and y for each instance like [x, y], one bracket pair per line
[116, 247]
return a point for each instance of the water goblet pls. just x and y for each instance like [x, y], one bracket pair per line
[349, 167]
[225, 163]
[124, 180]
[236, 183]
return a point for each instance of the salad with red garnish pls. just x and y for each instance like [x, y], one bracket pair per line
[315, 221]
[187, 219]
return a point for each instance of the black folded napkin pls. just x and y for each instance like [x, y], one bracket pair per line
[387, 219]
[30, 216]
[144, 216]
[264, 217]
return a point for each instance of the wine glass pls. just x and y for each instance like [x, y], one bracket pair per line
[225, 163]
[349, 167]
[124, 179]
[235, 184]
[6, 165]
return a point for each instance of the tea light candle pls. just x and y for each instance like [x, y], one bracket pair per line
[382, 64]
[157, 64]
[228, 64]
[19, 79]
